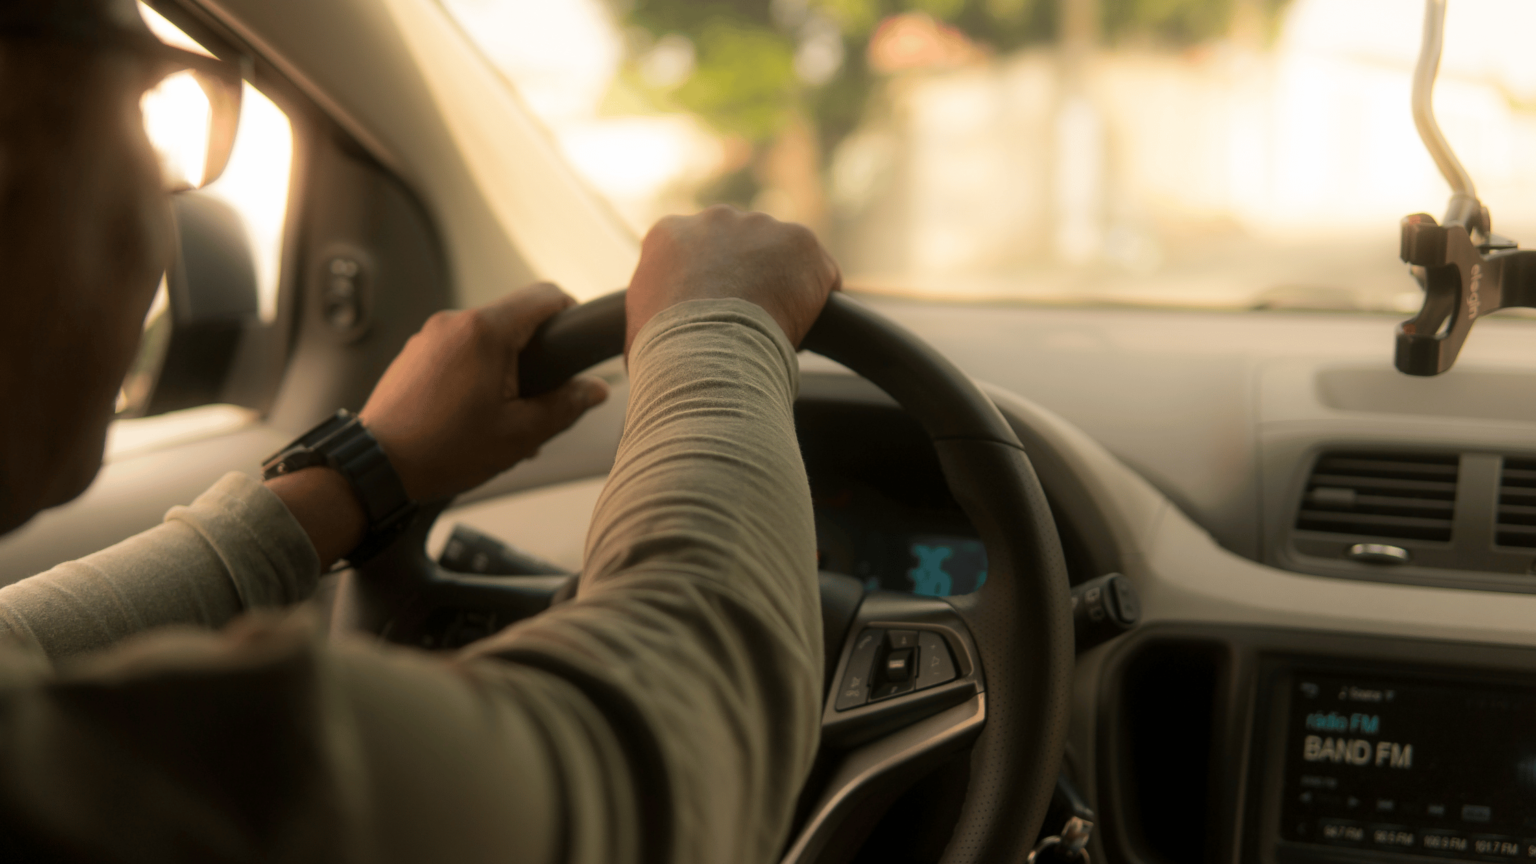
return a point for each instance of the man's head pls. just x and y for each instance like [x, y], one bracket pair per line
[85, 232]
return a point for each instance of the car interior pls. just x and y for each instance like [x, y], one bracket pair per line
[1104, 580]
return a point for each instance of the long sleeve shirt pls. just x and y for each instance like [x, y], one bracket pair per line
[669, 712]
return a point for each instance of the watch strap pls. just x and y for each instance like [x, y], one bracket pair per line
[343, 443]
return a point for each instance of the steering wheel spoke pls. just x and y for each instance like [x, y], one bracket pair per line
[869, 776]
[907, 692]
[905, 658]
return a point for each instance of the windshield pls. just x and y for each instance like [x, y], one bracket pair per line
[1197, 153]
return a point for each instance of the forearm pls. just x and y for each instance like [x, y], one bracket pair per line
[235, 548]
[325, 506]
[696, 621]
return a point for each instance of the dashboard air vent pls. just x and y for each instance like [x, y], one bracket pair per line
[1405, 496]
[1517, 503]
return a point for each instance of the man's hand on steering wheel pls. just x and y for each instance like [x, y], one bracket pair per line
[447, 414]
[723, 252]
[447, 411]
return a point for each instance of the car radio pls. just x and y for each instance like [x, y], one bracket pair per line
[1382, 765]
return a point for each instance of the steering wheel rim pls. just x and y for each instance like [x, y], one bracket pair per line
[1020, 619]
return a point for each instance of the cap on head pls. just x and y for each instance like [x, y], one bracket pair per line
[75, 17]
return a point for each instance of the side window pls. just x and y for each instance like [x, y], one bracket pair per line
[189, 346]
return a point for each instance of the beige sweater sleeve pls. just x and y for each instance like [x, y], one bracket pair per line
[669, 713]
[235, 548]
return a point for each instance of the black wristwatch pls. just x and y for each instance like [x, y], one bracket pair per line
[343, 443]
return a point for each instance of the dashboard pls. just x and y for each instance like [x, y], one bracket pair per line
[1179, 448]
[884, 514]
[1276, 745]
[1402, 763]
[1175, 448]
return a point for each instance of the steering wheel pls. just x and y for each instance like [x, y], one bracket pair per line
[1009, 644]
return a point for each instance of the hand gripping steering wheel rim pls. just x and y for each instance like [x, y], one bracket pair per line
[1020, 620]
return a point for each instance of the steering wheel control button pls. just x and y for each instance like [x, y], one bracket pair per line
[934, 666]
[1102, 609]
[902, 639]
[898, 665]
[853, 691]
[891, 688]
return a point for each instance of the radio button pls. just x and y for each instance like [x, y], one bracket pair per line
[1393, 835]
[1444, 842]
[1340, 831]
[1476, 813]
[1497, 847]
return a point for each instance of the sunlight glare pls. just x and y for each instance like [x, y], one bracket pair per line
[169, 33]
[562, 55]
[256, 181]
[176, 117]
[256, 185]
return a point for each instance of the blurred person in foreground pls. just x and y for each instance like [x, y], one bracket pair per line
[668, 712]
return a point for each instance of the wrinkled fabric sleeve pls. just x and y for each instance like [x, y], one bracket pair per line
[696, 626]
[234, 549]
[669, 713]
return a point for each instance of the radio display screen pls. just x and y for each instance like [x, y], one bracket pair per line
[1432, 768]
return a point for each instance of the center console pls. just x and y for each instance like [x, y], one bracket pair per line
[1267, 746]
[1376, 763]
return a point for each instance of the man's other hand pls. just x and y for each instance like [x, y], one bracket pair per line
[447, 411]
[724, 252]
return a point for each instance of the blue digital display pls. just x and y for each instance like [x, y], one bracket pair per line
[1409, 765]
[942, 565]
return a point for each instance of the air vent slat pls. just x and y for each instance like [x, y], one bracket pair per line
[1425, 488]
[1519, 477]
[1516, 535]
[1387, 468]
[1318, 499]
[1517, 504]
[1377, 525]
[1517, 497]
[1393, 496]
[1514, 514]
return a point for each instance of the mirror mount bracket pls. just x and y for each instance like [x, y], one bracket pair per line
[1465, 269]
[1463, 279]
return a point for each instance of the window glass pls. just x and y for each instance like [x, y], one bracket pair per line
[1209, 153]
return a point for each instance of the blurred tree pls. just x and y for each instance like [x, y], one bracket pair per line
[1180, 23]
[754, 76]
